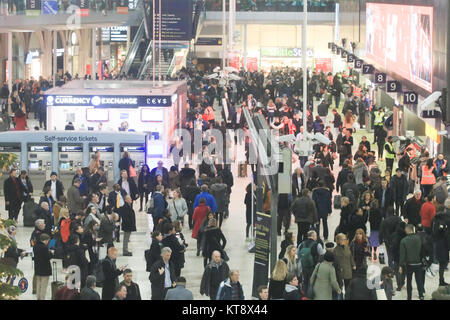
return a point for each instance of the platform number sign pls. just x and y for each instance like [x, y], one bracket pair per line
[350, 58]
[368, 69]
[358, 63]
[338, 51]
[410, 97]
[380, 78]
[344, 54]
[334, 48]
[394, 86]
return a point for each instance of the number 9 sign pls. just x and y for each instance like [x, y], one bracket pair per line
[394, 86]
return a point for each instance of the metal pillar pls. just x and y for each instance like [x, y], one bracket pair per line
[231, 26]
[304, 56]
[159, 38]
[55, 46]
[448, 64]
[154, 43]
[245, 46]
[10, 53]
[224, 24]
[273, 226]
[94, 58]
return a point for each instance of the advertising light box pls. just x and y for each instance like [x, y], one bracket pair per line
[400, 39]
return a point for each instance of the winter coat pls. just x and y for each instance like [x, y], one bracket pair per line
[158, 280]
[400, 187]
[213, 238]
[210, 201]
[154, 253]
[276, 289]
[325, 281]
[74, 200]
[14, 198]
[342, 178]
[134, 192]
[213, 275]
[89, 294]
[387, 229]
[128, 218]
[302, 205]
[375, 219]
[441, 236]
[291, 293]
[344, 222]
[345, 261]
[77, 257]
[358, 290]
[200, 214]
[144, 180]
[411, 211]
[160, 204]
[177, 208]
[220, 193]
[111, 280]
[360, 171]
[106, 229]
[42, 256]
[359, 253]
[225, 291]
[179, 293]
[177, 256]
[427, 213]
[322, 199]
[59, 188]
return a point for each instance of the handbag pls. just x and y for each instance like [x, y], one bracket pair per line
[132, 172]
[310, 292]
[176, 211]
[337, 201]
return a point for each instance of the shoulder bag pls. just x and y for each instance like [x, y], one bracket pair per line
[310, 292]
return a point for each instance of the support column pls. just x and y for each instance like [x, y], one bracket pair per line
[10, 53]
[55, 46]
[224, 23]
[94, 58]
[448, 65]
[305, 71]
[231, 27]
[245, 46]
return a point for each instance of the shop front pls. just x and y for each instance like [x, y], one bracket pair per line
[284, 57]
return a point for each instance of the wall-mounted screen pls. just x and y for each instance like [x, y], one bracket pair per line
[97, 114]
[152, 114]
[400, 39]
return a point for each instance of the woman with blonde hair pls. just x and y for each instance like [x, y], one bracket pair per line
[277, 282]
[290, 259]
[360, 248]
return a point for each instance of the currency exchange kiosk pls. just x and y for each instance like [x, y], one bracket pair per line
[15, 149]
[39, 163]
[70, 158]
[106, 159]
[137, 154]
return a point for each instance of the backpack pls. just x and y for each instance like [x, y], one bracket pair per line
[350, 194]
[65, 229]
[305, 256]
[98, 273]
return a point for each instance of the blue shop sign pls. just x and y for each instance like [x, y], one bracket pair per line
[108, 101]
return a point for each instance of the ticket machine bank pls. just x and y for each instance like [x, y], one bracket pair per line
[39, 163]
[137, 154]
[106, 159]
[70, 158]
[15, 149]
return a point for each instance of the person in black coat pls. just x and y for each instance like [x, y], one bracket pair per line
[397, 237]
[42, 267]
[190, 194]
[411, 209]
[215, 272]
[170, 240]
[144, 184]
[162, 171]
[387, 228]
[358, 289]
[291, 291]
[111, 274]
[296, 188]
[158, 277]
[126, 162]
[128, 218]
[112, 197]
[186, 175]
[154, 253]
[248, 208]
[400, 186]
[43, 213]
[322, 198]
[89, 241]
[133, 189]
[13, 191]
[213, 237]
[26, 182]
[97, 179]
[385, 196]
[59, 185]
[342, 176]
[284, 215]
[77, 257]
[88, 292]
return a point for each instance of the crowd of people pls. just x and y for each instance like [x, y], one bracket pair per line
[375, 205]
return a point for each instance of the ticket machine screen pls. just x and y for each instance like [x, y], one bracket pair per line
[33, 165]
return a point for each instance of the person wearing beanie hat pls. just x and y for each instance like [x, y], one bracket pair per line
[56, 186]
[324, 279]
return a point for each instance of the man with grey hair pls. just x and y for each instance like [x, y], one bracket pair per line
[215, 272]
[162, 275]
[43, 212]
[307, 168]
[231, 288]
[411, 209]
[88, 292]
[39, 226]
[74, 199]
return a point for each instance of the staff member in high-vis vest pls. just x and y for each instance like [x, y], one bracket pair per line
[378, 122]
[390, 153]
[428, 177]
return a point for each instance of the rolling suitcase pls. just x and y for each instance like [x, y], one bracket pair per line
[29, 216]
[56, 285]
[242, 170]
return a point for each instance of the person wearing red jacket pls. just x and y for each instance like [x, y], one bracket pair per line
[66, 293]
[20, 119]
[200, 213]
[427, 213]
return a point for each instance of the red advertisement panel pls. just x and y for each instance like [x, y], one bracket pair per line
[252, 64]
[323, 64]
[400, 39]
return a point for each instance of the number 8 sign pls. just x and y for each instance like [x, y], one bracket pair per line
[380, 78]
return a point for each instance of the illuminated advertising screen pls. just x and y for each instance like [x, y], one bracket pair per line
[400, 39]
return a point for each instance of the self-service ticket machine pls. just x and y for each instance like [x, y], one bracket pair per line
[15, 149]
[70, 158]
[106, 160]
[137, 154]
[39, 164]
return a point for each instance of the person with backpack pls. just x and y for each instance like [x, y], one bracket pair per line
[157, 205]
[441, 235]
[309, 252]
[304, 210]
[351, 190]
[110, 274]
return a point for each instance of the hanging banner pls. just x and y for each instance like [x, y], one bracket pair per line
[122, 7]
[176, 20]
[33, 8]
[262, 251]
[49, 7]
[323, 64]
[252, 64]
[235, 62]
[84, 8]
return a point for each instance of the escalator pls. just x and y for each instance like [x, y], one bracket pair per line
[138, 63]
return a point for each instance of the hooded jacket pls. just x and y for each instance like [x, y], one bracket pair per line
[292, 293]
[225, 291]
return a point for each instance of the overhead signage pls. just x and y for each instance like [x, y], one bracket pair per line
[410, 97]
[101, 148]
[350, 58]
[394, 86]
[368, 69]
[40, 148]
[358, 63]
[84, 8]
[431, 114]
[70, 139]
[285, 52]
[33, 7]
[71, 148]
[110, 101]
[49, 7]
[115, 34]
[176, 20]
[209, 41]
[133, 149]
[380, 78]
